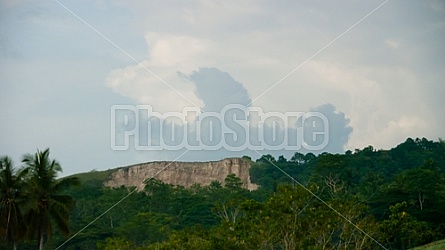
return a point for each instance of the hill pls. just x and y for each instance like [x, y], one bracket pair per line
[437, 245]
[94, 176]
[175, 173]
[397, 196]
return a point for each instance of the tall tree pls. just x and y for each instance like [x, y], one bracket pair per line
[402, 231]
[47, 204]
[11, 195]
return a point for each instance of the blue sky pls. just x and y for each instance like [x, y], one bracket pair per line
[380, 82]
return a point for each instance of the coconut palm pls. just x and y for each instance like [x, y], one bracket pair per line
[11, 195]
[46, 204]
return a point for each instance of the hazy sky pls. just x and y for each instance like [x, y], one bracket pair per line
[379, 83]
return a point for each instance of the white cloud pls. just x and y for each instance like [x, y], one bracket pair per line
[156, 81]
[398, 130]
[384, 105]
[364, 74]
[172, 93]
[175, 51]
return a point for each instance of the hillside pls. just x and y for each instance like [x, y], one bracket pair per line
[437, 245]
[93, 176]
[396, 196]
[175, 173]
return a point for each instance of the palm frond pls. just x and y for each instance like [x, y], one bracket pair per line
[47, 205]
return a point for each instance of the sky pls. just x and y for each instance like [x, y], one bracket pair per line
[375, 69]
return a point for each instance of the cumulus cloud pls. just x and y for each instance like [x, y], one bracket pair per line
[339, 128]
[385, 74]
[217, 89]
[175, 51]
[155, 81]
[164, 91]
[369, 85]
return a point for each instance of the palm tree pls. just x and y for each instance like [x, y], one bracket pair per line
[47, 205]
[11, 195]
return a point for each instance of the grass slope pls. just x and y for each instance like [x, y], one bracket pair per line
[94, 176]
[437, 245]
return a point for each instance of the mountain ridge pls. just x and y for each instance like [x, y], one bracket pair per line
[173, 172]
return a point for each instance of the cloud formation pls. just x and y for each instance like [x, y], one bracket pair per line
[339, 128]
[385, 75]
[217, 89]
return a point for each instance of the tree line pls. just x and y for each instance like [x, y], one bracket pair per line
[362, 199]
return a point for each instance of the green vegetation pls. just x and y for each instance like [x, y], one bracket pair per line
[93, 177]
[32, 203]
[356, 200]
[437, 245]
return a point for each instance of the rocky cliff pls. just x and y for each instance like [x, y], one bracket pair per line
[182, 173]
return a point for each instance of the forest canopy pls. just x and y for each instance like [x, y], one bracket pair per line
[362, 199]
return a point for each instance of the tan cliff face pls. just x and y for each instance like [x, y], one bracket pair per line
[182, 173]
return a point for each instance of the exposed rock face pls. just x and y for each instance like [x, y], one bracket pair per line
[182, 173]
